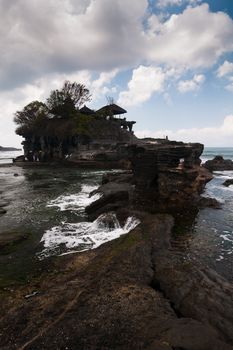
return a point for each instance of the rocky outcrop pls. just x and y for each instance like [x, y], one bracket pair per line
[96, 139]
[228, 182]
[168, 176]
[115, 298]
[113, 197]
[164, 178]
[219, 164]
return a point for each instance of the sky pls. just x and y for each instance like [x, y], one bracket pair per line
[169, 63]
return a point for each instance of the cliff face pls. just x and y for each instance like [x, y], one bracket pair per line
[168, 175]
[62, 138]
[164, 178]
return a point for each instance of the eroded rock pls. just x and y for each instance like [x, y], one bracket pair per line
[228, 182]
[219, 164]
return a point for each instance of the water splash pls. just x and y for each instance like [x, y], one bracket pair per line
[76, 202]
[84, 235]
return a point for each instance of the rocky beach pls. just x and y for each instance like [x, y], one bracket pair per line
[150, 286]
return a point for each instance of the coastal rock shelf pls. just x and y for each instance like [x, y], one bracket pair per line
[122, 288]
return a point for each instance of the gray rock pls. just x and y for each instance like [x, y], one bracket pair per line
[219, 164]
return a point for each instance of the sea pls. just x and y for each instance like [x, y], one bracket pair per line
[47, 204]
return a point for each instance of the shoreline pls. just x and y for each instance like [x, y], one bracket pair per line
[139, 284]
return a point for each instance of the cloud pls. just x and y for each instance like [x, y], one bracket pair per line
[103, 35]
[144, 82]
[210, 136]
[191, 85]
[225, 69]
[66, 35]
[166, 3]
[229, 87]
[194, 38]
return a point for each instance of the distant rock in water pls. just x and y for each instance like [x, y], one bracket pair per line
[219, 164]
[9, 149]
[228, 182]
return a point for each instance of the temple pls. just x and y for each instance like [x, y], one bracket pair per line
[89, 135]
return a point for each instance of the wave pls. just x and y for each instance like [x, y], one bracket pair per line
[84, 235]
[76, 202]
[211, 152]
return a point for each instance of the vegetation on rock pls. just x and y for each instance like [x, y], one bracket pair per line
[36, 117]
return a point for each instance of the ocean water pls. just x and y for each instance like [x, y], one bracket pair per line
[208, 237]
[7, 156]
[211, 152]
[48, 203]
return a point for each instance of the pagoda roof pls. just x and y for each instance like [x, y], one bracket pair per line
[86, 110]
[111, 109]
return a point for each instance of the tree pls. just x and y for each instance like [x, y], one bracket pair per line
[31, 115]
[64, 102]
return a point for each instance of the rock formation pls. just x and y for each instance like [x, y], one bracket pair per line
[121, 296]
[228, 182]
[219, 164]
[164, 178]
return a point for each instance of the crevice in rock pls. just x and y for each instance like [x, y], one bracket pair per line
[155, 284]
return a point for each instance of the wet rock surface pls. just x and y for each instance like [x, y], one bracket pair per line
[138, 291]
[219, 164]
[11, 238]
[113, 196]
[228, 182]
[115, 298]
[2, 211]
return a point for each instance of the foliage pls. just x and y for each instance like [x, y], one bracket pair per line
[62, 104]
[32, 115]
[65, 101]
[83, 124]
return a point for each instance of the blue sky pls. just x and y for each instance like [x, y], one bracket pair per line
[168, 62]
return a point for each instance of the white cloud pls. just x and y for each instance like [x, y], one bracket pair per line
[229, 87]
[94, 35]
[210, 136]
[225, 69]
[166, 3]
[144, 82]
[191, 85]
[195, 38]
[104, 35]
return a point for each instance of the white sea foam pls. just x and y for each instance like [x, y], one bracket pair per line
[84, 235]
[226, 237]
[77, 201]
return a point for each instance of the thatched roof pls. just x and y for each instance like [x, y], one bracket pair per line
[111, 109]
[86, 110]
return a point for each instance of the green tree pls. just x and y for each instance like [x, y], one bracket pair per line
[31, 116]
[66, 101]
